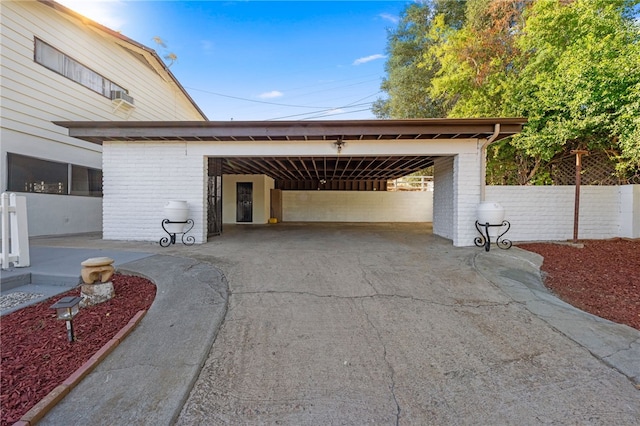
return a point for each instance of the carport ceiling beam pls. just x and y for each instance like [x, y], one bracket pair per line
[408, 167]
[304, 164]
[325, 167]
[241, 166]
[286, 169]
[358, 176]
[335, 168]
[351, 177]
[346, 167]
[297, 169]
[383, 167]
[279, 172]
[236, 167]
[315, 168]
[384, 172]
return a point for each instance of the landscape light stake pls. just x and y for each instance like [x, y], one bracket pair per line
[576, 211]
[66, 309]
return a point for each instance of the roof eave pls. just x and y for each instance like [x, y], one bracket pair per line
[97, 132]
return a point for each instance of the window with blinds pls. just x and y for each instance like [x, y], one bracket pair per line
[53, 59]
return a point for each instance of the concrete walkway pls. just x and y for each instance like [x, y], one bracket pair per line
[355, 324]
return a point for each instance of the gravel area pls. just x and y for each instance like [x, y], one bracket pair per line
[14, 299]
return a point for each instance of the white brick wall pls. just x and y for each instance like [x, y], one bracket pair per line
[357, 206]
[630, 211]
[141, 179]
[546, 212]
[443, 197]
[466, 175]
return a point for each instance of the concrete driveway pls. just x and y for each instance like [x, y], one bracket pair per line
[388, 324]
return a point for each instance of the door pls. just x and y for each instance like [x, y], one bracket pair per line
[244, 197]
[214, 197]
[276, 204]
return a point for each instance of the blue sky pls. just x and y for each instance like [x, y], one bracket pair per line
[264, 60]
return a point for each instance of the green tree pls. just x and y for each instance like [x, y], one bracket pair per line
[479, 64]
[572, 67]
[478, 60]
[408, 79]
[579, 87]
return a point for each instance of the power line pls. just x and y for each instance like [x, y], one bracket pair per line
[281, 104]
[253, 100]
[349, 105]
[324, 83]
[338, 87]
[340, 113]
[318, 112]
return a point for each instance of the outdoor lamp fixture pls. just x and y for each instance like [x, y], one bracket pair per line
[66, 309]
[339, 144]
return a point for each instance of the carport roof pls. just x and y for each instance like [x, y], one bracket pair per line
[338, 167]
[258, 131]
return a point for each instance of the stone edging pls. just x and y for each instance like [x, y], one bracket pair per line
[38, 411]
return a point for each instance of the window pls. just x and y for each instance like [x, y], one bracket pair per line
[50, 57]
[86, 181]
[28, 174]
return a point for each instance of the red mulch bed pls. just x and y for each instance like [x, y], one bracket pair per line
[36, 355]
[603, 278]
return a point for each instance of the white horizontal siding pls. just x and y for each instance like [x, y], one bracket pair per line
[156, 99]
[33, 96]
[34, 146]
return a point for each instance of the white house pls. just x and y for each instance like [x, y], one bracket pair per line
[57, 65]
[73, 90]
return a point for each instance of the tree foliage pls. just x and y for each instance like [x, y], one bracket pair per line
[408, 80]
[478, 61]
[579, 87]
[571, 67]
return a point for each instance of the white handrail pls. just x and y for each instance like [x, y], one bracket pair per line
[15, 232]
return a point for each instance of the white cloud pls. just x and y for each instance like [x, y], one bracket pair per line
[103, 12]
[389, 17]
[206, 45]
[334, 111]
[369, 58]
[271, 95]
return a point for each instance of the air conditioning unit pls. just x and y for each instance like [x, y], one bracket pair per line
[121, 98]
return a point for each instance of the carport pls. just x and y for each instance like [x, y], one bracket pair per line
[146, 164]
